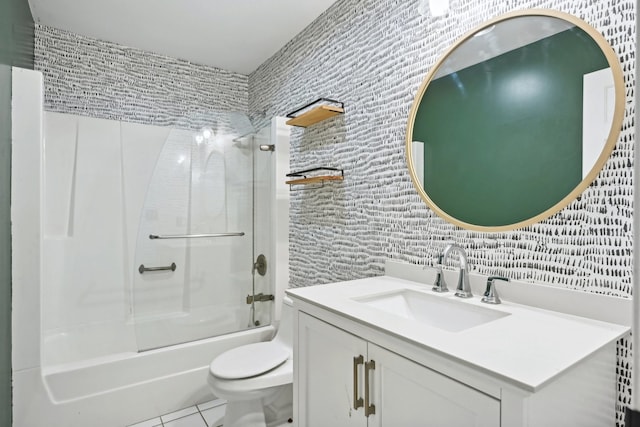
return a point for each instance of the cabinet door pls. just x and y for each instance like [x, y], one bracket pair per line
[326, 376]
[408, 394]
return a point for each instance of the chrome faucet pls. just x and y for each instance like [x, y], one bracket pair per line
[463, 290]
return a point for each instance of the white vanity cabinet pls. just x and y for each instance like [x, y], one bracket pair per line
[339, 372]
[525, 367]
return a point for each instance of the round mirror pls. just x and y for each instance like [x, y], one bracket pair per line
[515, 120]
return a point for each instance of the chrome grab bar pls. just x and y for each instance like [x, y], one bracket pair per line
[171, 267]
[193, 236]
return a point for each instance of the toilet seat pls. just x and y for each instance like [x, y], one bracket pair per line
[249, 360]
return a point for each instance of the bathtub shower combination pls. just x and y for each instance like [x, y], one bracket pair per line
[149, 239]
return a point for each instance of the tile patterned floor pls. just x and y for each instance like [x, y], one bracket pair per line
[209, 414]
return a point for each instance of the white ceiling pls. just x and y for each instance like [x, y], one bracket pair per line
[235, 35]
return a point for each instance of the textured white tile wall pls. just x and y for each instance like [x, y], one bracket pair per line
[373, 55]
[105, 80]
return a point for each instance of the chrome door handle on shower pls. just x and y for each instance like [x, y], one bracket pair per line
[194, 236]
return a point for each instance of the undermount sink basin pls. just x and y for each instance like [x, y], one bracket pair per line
[439, 312]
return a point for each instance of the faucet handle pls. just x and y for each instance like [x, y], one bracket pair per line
[440, 285]
[491, 293]
[436, 262]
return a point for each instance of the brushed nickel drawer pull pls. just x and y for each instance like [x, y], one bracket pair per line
[369, 408]
[357, 401]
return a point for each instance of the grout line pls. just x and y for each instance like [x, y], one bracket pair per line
[202, 416]
[180, 417]
[222, 402]
[205, 421]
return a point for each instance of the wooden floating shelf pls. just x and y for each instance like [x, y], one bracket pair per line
[315, 115]
[315, 179]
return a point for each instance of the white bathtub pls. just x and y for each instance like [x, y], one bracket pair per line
[121, 389]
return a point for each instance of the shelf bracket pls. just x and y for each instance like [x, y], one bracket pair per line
[303, 179]
[315, 115]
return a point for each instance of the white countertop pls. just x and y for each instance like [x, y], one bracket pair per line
[527, 348]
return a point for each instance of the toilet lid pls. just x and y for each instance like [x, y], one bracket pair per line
[248, 360]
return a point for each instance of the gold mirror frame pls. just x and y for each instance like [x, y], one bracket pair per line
[612, 138]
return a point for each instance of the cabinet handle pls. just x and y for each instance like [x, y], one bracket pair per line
[369, 408]
[357, 401]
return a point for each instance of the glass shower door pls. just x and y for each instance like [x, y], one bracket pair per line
[195, 245]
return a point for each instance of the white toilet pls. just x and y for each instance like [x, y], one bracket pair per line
[256, 379]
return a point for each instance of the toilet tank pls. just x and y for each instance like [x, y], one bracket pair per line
[285, 328]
